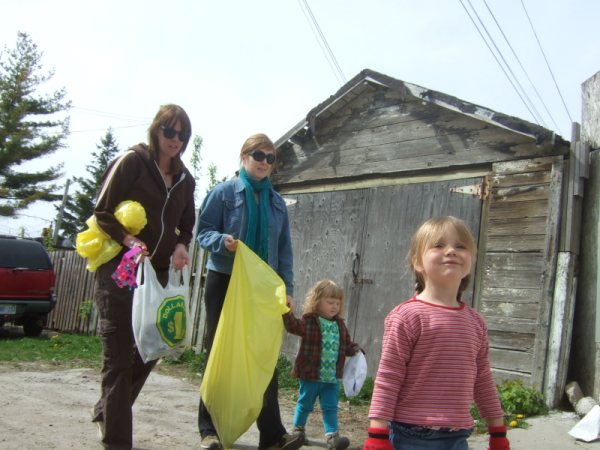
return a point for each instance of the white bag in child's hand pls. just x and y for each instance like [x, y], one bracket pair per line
[160, 317]
[355, 373]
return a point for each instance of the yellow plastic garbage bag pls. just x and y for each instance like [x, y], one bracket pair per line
[246, 346]
[95, 245]
[88, 243]
[131, 215]
[108, 250]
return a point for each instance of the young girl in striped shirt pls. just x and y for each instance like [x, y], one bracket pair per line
[434, 359]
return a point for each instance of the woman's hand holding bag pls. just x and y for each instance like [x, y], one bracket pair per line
[160, 317]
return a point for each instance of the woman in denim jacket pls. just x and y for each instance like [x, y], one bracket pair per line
[247, 208]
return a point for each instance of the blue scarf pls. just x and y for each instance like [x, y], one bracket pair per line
[257, 230]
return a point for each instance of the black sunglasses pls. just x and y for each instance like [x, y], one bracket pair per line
[170, 133]
[259, 155]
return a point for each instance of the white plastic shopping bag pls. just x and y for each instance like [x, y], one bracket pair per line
[160, 317]
[588, 428]
[355, 373]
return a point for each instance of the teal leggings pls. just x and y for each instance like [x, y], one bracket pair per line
[329, 395]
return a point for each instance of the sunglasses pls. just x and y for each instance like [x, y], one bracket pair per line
[259, 155]
[170, 133]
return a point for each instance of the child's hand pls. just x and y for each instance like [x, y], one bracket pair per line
[379, 439]
[498, 439]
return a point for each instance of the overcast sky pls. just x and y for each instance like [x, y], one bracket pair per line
[240, 67]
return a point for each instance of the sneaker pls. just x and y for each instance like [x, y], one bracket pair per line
[287, 442]
[99, 423]
[337, 442]
[210, 442]
[300, 431]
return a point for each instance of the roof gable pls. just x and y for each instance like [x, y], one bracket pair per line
[377, 125]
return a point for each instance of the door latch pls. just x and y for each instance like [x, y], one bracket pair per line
[356, 268]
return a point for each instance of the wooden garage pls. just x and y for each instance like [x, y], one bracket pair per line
[372, 162]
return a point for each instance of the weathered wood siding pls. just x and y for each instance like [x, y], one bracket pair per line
[385, 131]
[360, 238]
[519, 264]
[376, 128]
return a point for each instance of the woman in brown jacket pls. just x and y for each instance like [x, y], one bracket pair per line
[154, 176]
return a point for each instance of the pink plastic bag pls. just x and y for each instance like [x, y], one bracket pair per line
[124, 276]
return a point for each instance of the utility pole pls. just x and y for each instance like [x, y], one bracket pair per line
[60, 213]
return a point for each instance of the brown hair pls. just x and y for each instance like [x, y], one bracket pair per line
[428, 235]
[169, 115]
[323, 289]
[258, 141]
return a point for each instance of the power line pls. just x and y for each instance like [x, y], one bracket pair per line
[536, 114]
[120, 116]
[32, 217]
[521, 65]
[142, 121]
[333, 64]
[113, 128]
[547, 63]
[497, 60]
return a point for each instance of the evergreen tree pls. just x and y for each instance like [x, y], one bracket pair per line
[212, 177]
[80, 205]
[196, 160]
[30, 127]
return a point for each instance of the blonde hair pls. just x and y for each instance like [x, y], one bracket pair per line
[428, 234]
[323, 289]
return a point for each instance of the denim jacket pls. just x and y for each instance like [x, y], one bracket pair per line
[223, 212]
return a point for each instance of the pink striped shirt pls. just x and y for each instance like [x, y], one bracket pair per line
[434, 364]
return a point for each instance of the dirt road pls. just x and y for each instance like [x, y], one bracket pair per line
[47, 408]
[43, 407]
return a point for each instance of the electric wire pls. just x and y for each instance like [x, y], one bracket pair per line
[532, 109]
[141, 121]
[521, 65]
[331, 59]
[547, 63]
[113, 128]
[498, 61]
[96, 112]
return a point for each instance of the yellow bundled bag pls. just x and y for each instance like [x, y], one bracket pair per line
[246, 346]
[132, 216]
[95, 245]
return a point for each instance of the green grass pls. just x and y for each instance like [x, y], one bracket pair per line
[71, 349]
[364, 396]
[190, 361]
[286, 381]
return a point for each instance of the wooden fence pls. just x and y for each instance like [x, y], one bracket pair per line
[75, 287]
[74, 294]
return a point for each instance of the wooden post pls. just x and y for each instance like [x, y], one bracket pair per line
[565, 288]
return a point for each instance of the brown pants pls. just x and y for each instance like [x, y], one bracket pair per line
[123, 371]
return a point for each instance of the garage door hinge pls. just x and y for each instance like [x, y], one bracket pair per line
[476, 190]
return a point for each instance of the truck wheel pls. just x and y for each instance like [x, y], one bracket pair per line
[33, 327]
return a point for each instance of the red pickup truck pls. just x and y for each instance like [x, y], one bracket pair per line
[27, 282]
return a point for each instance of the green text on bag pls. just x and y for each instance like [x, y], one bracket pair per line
[171, 320]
